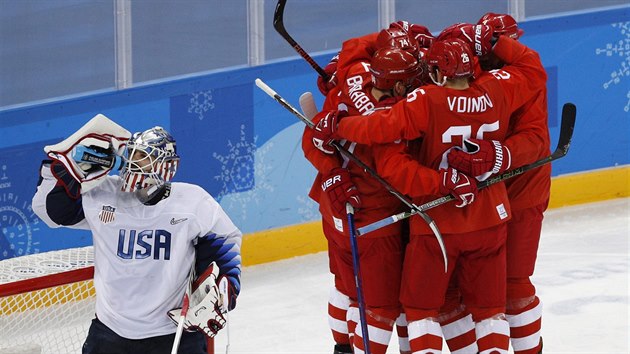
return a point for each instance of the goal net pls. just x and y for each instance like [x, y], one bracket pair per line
[46, 301]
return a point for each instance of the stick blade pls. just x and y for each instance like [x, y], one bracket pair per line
[569, 111]
[307, 103]
[278, 13]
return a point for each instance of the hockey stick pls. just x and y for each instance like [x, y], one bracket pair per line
[224, 290]
[307, 103]
[357, 277]
[278, 24]
[269, 91]
[182, 317]
[564, 141]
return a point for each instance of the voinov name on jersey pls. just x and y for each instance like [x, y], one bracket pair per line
[463, 104]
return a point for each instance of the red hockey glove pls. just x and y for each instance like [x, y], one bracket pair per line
[459, 185]
[483, 156]
[331, 71]
[478, 37]
[419, 32]
[340, 190]
[325, 131]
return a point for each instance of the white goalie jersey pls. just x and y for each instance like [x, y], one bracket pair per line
[144, 253]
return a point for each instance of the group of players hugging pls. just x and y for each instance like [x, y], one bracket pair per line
[433, 116]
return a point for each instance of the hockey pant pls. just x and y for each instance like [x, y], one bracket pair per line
[101, 340]
[480, 274]
[381, 265]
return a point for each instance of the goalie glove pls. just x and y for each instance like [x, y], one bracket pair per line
[207, 308]
[91, 152]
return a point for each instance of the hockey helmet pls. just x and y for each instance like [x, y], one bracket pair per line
[452, 58]
[501, 24]
[396, 38]
[452, 31]
[390, 65]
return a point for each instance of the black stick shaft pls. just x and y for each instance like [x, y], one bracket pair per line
[278, 24]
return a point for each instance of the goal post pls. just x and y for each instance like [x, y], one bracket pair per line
[47, 302]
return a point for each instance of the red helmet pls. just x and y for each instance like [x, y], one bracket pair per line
[501, 24]
[395, 38]
[452, 58]
[390, 65]
[452, 31]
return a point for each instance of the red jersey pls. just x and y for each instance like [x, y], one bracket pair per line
[528, 142]
[377, 203]
[443, 117]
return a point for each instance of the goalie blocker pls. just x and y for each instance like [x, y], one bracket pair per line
[209, 300]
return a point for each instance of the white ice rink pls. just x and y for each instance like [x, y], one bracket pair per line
[581, 277]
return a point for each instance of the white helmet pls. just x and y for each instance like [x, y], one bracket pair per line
[151, 161]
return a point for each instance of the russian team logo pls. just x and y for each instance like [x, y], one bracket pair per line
[107, 214]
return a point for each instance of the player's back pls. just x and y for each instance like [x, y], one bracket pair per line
[451, 115]
[357, 99]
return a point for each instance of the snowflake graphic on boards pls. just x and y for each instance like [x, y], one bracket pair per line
[200, 103]
[18, 222]
[307, 208]
[242, 176]
[621, 49]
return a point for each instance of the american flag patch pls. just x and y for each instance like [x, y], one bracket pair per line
[107, 214]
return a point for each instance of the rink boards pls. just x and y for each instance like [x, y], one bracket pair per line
[244, 148]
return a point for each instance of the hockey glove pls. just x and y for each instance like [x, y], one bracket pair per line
[85, 168]
[340, 190]
[459, 185]
[419, 32]
[65, 179]
[331, 71]
[480, 157]
[324, 133]
[205, 313]
[89, 153]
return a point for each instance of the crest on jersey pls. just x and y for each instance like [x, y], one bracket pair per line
[107, 214]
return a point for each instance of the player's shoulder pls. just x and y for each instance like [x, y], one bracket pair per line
[110, 184]
[189, 191]
[359, 67]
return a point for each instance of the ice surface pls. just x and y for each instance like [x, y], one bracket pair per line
[581, 277]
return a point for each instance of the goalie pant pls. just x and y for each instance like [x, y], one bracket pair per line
[143, 253]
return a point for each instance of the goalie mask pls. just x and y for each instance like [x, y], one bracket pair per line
[150, 163]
